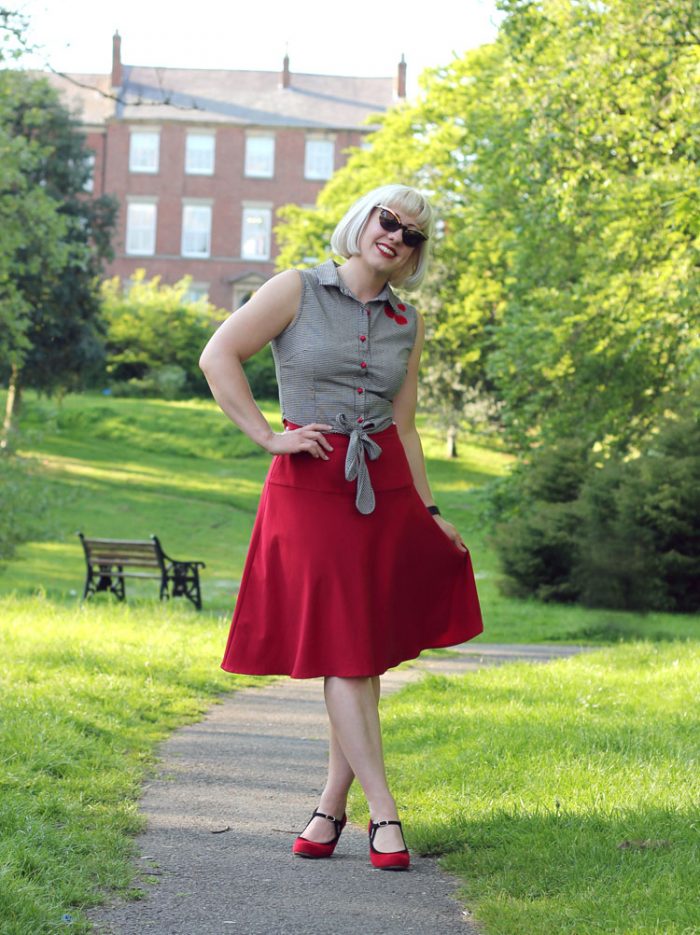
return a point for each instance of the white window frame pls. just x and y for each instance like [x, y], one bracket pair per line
[249, 170]
[149, 166]
[188, 210]
[191, 168]
[89, 184]
[312, 170]
[147, 244]
[265, 212]
[197, 291]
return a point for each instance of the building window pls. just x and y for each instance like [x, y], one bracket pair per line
[143, 151]
[89, 183]
[318, 163]
[197, 291]
[199, 153]
[141, 228]
[255, 239]
[260, 157]
[196, 230]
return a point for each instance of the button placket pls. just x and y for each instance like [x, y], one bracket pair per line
[365, 313]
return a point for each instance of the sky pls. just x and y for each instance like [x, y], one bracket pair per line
[365, 37]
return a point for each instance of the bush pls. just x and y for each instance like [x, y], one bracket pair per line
[24, 502]
[155, 336]
[537, 540]
[260, 372]
[641, 527]
[624, 535]
[167, 382]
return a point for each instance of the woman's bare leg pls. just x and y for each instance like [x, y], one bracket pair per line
[352, 705]
[335, 793]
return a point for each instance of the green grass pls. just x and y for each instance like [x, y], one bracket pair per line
[86, 691]
[129, 468]
[529, 778]
[85, 694]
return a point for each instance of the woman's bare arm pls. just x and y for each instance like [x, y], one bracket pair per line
[243, 334]
[404, 408]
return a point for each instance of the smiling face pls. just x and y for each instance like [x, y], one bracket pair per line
[385, 251]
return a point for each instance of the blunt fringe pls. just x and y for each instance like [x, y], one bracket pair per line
[346, 236]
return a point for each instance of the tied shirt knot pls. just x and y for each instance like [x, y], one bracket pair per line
[361, 446]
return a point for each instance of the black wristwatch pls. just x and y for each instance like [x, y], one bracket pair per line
[434, 510]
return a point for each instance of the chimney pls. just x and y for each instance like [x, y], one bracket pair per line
[116, 60]
[401, 79]
[286, 77]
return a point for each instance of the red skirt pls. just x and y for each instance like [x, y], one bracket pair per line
[327, 590]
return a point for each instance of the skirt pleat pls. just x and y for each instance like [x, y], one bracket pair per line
[327, 590]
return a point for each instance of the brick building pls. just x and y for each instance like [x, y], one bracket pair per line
[200, 160]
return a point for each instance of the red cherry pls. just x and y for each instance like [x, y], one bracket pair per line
[401, 307]
[388, 310]
[400, 319]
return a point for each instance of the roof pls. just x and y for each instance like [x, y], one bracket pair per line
[88, 95]
[246, 98]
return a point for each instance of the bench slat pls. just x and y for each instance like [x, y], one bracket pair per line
[122, 556]
[145, 542]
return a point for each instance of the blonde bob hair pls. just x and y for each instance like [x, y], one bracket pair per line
[346, 237]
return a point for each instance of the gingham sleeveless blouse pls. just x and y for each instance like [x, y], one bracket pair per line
[342, 362]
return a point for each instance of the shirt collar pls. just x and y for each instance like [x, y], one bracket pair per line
[327, 275]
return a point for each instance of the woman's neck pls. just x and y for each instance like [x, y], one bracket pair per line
[364, 282]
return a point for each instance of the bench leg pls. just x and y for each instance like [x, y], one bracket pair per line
[109, 582]
[185, 580]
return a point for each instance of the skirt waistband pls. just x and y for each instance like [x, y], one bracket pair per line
[384, 468]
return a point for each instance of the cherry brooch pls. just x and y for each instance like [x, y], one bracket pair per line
[390, 313]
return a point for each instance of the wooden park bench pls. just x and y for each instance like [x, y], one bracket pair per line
[108, 559]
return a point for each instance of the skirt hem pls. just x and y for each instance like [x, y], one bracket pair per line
[257, 670]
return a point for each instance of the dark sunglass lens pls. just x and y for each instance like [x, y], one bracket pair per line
[388, 221]
[413, 238]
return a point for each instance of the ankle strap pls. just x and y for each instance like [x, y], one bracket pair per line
[323, 815]
[374, 826]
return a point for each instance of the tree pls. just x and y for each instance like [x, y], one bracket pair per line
[563, 159]
[53, 242]
[154, 334]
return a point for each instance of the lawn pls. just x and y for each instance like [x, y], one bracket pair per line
[87, 691]
[565, 796]
[132, 467]
[85, 695]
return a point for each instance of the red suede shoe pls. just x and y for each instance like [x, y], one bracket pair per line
[302, 847]
[391, 860]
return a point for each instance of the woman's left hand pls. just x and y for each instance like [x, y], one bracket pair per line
[450, 531]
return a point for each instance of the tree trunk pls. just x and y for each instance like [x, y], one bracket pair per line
[14, 394]
[452, 442]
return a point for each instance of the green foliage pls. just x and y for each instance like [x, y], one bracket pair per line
[155, 336]
[622, 533]
[260, 373]
[640, 535]
[538, 540]
[563, 161]
[23, 505]
[53, 238]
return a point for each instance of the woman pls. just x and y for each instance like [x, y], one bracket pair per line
[351, 568]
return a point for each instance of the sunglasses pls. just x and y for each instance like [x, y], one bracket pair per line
[391, 222]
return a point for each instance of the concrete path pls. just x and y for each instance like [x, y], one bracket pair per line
[231, 793]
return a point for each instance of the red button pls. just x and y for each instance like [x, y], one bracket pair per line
[360, 390]
[363, 364]
[368, 311]
[363, 337]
